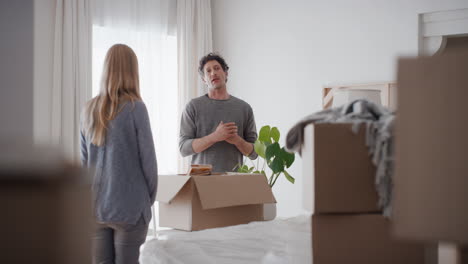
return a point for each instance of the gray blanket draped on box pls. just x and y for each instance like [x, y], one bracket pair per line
[379, 122]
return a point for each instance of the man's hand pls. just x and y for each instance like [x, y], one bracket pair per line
[234, 139]
[243, 146]
[228, 132]
[225, 131]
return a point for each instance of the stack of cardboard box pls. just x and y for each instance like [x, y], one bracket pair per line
[347, 225]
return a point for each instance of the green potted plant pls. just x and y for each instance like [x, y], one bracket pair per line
[275, 157]
[272, 154]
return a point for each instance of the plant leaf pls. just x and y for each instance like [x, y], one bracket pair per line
[272, 150]
[287, 157]
[289, 177]
[237, 167]
[277, 165]
[260, 148]
[275, 134]
[244, 169]
[264, 135]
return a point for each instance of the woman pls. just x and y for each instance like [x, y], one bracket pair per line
[116, 141]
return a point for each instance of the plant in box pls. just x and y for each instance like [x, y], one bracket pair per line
[272, 154]
[275, 157]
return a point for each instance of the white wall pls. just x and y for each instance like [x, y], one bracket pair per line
[44, 23]
[16, 71]
[281, 53]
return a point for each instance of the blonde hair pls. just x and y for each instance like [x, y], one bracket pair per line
[119, 84]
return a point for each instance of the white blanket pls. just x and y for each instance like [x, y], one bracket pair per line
[283, 240]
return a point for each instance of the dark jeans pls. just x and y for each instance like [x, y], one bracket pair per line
[118, 243]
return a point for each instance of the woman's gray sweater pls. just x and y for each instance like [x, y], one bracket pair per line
[126, 173]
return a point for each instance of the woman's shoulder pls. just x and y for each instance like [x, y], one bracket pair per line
[137, 108]
[135, 105]
[139, 104]
[88, 108]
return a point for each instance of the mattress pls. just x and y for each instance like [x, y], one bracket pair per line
[283, 240]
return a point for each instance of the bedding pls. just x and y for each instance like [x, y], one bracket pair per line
[283, 240]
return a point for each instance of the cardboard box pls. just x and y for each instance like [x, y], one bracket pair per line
[47, 216]
[338, 173]
[431, 132]
[200, 202]
[360, 238]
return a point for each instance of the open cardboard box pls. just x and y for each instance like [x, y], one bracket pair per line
[200, 202]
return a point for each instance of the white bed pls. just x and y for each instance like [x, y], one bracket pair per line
[283, 240]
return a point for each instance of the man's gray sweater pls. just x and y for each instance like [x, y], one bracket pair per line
[126, 172]
[201, 117]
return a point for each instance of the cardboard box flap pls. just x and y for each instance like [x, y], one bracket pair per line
[169, 186]
[233, 190]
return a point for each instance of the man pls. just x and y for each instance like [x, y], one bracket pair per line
[217, 128]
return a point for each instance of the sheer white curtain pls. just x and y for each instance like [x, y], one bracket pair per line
[71, 73]
[194, 40]
[148, 27]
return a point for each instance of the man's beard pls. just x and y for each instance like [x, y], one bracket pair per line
[216, 87]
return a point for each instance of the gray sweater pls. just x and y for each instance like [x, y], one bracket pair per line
[201, 117]
[125, 177]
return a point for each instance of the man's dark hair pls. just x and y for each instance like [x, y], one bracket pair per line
[209, 57]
